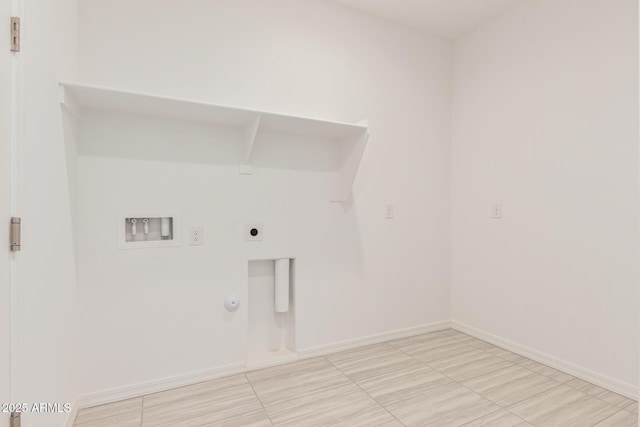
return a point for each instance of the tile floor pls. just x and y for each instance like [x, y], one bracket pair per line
[442, 378]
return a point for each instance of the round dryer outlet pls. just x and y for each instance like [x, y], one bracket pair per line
[253, 232]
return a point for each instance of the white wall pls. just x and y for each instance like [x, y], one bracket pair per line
[46, 327]
[153, 314]
[545, 121]
[5, 211]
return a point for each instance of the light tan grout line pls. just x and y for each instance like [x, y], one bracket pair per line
[364, 391]
[142, 411]
[259, 400]
[459, 383]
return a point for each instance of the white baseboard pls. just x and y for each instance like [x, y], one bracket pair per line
[559, 364]
[71, 416]
[142, 389]
[372, 339]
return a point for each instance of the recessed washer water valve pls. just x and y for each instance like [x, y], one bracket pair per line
[133, 226]
[145, 230]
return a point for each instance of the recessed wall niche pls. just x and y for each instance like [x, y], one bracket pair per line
[271, 329]
[136, 231]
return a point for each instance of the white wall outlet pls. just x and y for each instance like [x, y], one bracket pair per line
[196, 235]
[496, 211]
[253, 232]
[389, 211]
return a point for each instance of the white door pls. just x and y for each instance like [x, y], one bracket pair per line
[5, 208]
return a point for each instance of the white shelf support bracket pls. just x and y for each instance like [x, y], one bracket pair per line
[250, 133]
[62, 94]
[344, 177]
[67, 102]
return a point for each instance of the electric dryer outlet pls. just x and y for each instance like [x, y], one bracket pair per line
[253, 232]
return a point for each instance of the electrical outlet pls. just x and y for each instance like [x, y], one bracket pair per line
[389, 212]
[496, 211]
[253, 232]
[196, 235]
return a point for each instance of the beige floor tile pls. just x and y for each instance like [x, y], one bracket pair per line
[442, 351]
[303, 400]
[469, 365]
[478, 343]
[250, 419]
[126, 413]
[455, 333]
[394, 423]
[449, 331]
[602, 394]
[422, 342]
[194, 390]
[620, 419]
[459, 358]
[547, 371]
[377, 417]
[499, 418]
[402, 383]
[631, 406]
[296, 383]
[326, 407]
[507, 355]
[464, 416]
[462, 336]
[563, 406]
[444, 378]
[362, 353]
[451, 403]
[275, 391]
[292, 368]
[370, 361]
[510, 385]
[577, 384]
[200, 404]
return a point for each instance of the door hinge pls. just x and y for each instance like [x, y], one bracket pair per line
[14, 421]
[14, 234]
[15, 34]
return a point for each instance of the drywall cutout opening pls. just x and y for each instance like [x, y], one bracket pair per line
[271, 333]
[145, 231]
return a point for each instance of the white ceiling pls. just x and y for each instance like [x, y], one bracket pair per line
[445, 18]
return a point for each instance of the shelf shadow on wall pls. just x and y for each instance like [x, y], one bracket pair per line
[153, 139]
